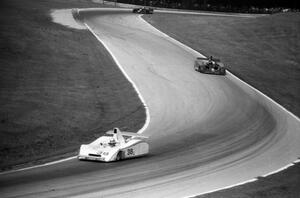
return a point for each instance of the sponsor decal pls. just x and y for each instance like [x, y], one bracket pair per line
[130, 151]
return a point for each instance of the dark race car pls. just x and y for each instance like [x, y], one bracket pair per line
[143, 10]
[209, 66]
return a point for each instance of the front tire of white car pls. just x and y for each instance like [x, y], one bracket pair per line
[119, 156]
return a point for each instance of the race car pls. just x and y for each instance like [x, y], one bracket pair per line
[143, 10]
[209, 66]
[114, 146]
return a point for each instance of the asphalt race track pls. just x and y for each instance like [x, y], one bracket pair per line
[206, 132]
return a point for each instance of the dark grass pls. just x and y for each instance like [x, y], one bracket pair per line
[280, 185]
[59, 87]
[264, 52]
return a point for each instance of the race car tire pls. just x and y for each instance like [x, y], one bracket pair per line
[119, 156]
[223, 71]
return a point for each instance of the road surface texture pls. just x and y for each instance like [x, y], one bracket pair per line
[206, 132]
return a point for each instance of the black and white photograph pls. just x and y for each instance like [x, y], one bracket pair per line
[150, 98]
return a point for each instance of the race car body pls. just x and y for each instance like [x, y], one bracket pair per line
[209, 66]
[114, 146]
[143, 10]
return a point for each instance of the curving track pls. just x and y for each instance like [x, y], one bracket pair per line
[207, 132]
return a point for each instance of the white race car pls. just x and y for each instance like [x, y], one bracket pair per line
[114, 146]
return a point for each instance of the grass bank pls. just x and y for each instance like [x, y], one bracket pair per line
[262, 51]
[59, 87]
[281, 185]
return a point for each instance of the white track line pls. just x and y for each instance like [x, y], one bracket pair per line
[227, 187]
[194, 51]
[38, 166]
[128, 78]
[268, 98]
[148, 113]
[278, 170]
[246, 182]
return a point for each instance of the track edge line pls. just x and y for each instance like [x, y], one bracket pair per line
[147, 121]
[187, 48]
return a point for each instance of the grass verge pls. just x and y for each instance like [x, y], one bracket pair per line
[280, 185]
[59, 87]
[263, 52]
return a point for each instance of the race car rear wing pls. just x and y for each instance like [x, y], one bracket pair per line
[212, 59]
[123, 133]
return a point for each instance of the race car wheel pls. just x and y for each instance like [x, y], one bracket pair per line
[119, 156]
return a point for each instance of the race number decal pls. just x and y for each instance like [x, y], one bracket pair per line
[130, 151]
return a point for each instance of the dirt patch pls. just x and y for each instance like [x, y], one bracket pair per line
[67, 17]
